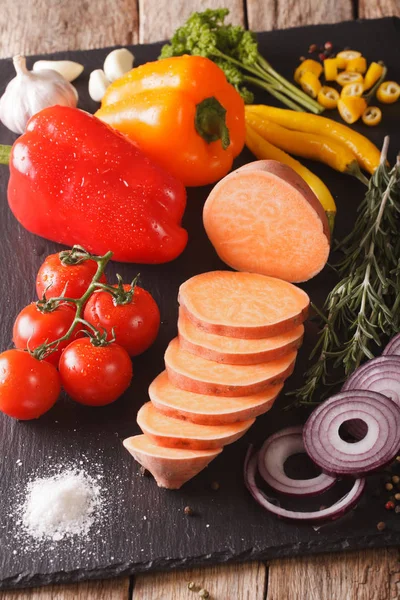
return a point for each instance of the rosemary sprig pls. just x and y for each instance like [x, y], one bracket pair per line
[364, 306]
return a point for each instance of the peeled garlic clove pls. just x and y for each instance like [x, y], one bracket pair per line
[117, 63]
[69, 69]
[98, 83]
[29, 92]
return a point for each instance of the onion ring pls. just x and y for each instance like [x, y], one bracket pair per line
[393, 347]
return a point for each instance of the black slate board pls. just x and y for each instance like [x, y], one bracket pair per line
[145, 527]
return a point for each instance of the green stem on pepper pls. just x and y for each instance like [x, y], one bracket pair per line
[5, 152]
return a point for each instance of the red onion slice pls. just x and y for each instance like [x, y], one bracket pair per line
[393, 347]
[333, 454]
[333, 512]
[272, 457]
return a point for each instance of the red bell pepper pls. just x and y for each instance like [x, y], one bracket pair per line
[74, 180]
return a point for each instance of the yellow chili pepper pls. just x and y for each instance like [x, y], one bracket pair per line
[263, 150]
[357, 65]
[310, 84]
[346, 55]
[349, 77]
[330, 69]
[307, 145]
[368, 155]
[351, 108]
[372, 116]
[352, 89]
[328, 97]
[308, 65]
[374, 72]
[388, 92]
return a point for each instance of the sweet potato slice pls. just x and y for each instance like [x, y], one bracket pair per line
[264, 218]
[175, 433]
[196, 374]
[170, 467]
[208, 410]
[236, 351]
[244, 305]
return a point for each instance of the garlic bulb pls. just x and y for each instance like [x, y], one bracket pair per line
[98, 83]
[117, 63]
[69, 69]
[29, 92]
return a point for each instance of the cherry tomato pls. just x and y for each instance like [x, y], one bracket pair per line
[28, 387]
[95, 375]
[135, 324]
[57, 279]
[33, 328]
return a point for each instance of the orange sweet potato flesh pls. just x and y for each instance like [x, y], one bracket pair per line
[175, 433]
[264, 218]
[196, 374]
[236, 351]
[205, 409]
[243, 305]
[170, 467]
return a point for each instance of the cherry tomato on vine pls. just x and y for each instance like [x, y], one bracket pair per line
[33, 328]
[28, 387]
[135, 325]
[95, 375]
[57, 279]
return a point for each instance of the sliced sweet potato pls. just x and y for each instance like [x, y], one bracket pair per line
[196, 374]
[264, 218]
[175, 433]
[170, 467]
[244, 305]
[208, 410]
[236, 351]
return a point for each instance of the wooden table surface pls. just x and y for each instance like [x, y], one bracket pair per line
[28, 26]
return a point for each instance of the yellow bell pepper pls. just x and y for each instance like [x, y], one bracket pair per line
[308, 65]
[388, 92]
[310, 84]
[330, 69]
[328, 97]
[357, 65]
[351, 108]
[352, 89]
[372, 116]
[349, 77]
[374, 72]
[346, 55]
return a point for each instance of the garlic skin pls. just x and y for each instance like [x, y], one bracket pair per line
[98, 83]
[28, 93]
[117, 63]
[69, 69]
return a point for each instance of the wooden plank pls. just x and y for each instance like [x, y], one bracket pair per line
[112, 589]
[374, 9]
[43, 26]
[364, 575]
[244, 581]
[270, 14]
[158, 20]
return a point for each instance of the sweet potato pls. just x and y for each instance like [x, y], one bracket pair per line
[170, 467]
[196, 374]
[264, 218]
[244, 305]
[175, 433]
[236, 351]
[208, 410]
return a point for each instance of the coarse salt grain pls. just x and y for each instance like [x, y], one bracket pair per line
[61, 506]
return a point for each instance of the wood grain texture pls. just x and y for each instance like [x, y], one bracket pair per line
[158, 20]
[364, 575]
[51, 25]
[264, 15]
[113, 589]
[246, 581]
[374, 9]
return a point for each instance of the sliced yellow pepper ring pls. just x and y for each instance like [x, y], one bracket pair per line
[352, 89]
[330, 69]
[310, 84]
[307, 65]
[328, 97]
[346, 55]
[374, 72]
[388, 92]
[349, 77]
[357, 65]
[351, 108]
[372, 116]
